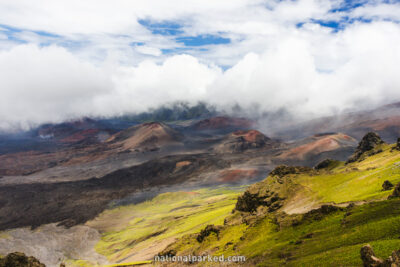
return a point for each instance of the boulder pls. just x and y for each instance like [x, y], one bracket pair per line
[284, 170]
[370, 260]
[387, 185]
[327, 164]
[368, 257]
[249, 202]
[396, 192]
[318, 214]
[207, 231]
[271, 192]
[394, 259]
[368, 143]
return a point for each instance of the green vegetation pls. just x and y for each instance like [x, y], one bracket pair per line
[334, 238]
[356, 181]
[287, 234]
[333, 241]
[138, 232]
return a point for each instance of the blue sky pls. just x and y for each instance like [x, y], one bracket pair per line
[178, 33]
[101, 57]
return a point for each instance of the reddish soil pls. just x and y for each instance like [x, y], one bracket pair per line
[317, 145]
[182, 163]
[145, 136]
[249, 136]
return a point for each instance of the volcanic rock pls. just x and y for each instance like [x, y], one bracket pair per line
[325, 164]
[76, 202]
[83, 132]
[368, 257]
[222, 122]
[241, 141]
[146, 136]
[284, 170]
[387, 185]
[368, 143]
[396, 192]
[249, 202]
[207, 231]
[271, 192]
[318, 214]
[334, 144]
[18, 259]
[370, 260]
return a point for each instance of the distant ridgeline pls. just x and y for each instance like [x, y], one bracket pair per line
[174, 112]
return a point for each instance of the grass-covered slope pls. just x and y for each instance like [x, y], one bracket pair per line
[334, 240]
[280, 221]
[134, 233]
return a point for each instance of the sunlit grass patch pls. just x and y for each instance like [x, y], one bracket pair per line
[130, 229]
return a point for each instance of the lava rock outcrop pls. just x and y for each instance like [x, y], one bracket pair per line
[396, 192]
[327, 164]
[387, 185]
[367, 144]
[207, 231]
[272, 192]
[283, 170]
[370, 260]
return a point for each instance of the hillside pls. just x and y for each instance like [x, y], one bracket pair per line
[198, 204]
[297, 216]
[222, 123]
[242, 140]
[384, 120]
[300, 216]
[145, 136]
[318, 144]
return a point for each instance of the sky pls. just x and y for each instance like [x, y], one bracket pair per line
[61, 60]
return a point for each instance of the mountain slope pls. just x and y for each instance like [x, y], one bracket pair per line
[242, 140]
[222, 123]
[318, 144]
[146, 136]
[305, 217]
[138, 232]
[384, 120]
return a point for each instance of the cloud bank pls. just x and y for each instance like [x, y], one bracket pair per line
[280, 56]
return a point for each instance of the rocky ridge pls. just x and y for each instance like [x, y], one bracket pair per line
[369, 143]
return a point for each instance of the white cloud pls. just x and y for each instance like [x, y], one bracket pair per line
[274, 64]
[147, 50]
[47, 84]
[380, 11]
[148, 85]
